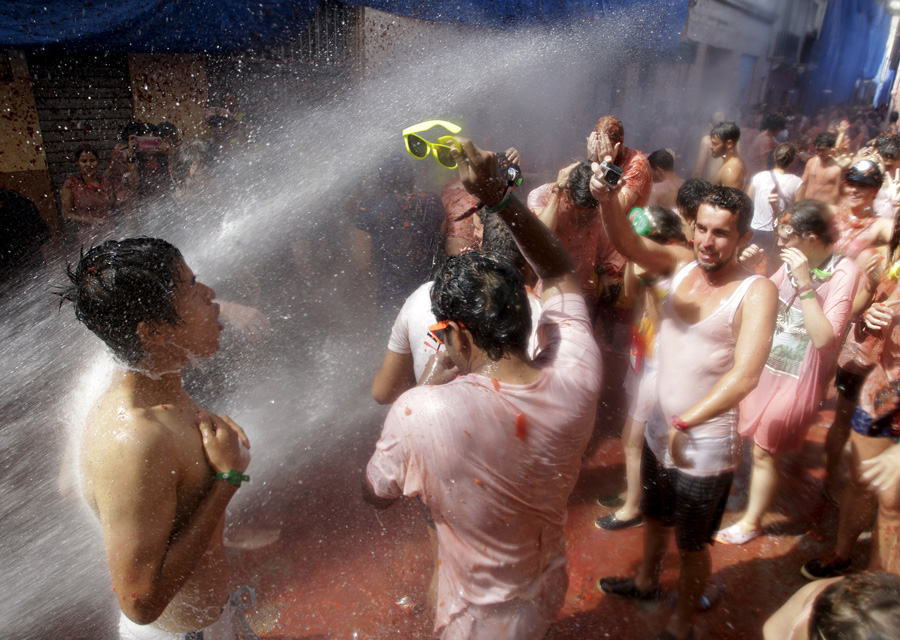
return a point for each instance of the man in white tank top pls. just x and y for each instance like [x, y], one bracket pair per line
[715, 336]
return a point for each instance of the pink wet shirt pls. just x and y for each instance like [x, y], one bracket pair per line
[496, 463]
[692, 359]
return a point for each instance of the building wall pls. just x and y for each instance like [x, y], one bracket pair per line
[170, 87]
[23, 164]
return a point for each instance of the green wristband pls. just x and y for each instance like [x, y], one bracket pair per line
[807, 295]
[502, 204]
[234, 477]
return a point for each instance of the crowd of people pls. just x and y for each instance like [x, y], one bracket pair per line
[723, 306]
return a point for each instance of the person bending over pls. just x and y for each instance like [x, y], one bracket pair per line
[495, 452]
[715, 335]
[156, 469]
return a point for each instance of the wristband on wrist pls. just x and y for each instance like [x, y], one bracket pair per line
[805, 288]
[807, 295]
[679, 424]
[234, 477]
[502, 205]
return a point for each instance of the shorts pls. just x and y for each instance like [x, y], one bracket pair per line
[231, 625]
[849, 383]
[694, 505]
[865, 425]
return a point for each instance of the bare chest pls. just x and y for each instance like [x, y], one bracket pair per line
[695, 299]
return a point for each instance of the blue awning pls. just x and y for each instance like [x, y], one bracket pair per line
[196, 26]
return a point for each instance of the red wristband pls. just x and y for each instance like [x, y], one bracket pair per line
[679, 424]
[804, 289]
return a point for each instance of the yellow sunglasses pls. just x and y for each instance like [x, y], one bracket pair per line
[419, 147]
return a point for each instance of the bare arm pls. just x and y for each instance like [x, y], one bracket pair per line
[394, 377]
[816, 323]
[480, 174]
[654, 257]
[135, 491]
[548, 215]
[754, 341]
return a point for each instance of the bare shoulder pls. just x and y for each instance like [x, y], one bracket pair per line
[763, 291]
[121, 445]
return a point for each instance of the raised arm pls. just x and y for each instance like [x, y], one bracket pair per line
[652, 256]
[150, 555]
[480, 174]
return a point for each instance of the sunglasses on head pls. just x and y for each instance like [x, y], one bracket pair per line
[419, 147]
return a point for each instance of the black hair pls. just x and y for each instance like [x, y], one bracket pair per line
[121, 283]
[85, 148]
[865, 606]
[726, 131]
[812, 217]
[894, 117]
[784, 155]
[662, 159]
[888, 146]
[825, 139]
[665, 225]
[137, 129]
[485, 293]
[773, 122]
[497, 239]
[578, 187]
[733, 200]
[167, 130]
[689, 196]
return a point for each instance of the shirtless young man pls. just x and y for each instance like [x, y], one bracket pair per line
[666, 182]
[822, 175]
[723, 141]
[715, 309]
[156, 469]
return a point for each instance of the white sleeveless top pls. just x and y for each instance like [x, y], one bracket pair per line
[692, 359]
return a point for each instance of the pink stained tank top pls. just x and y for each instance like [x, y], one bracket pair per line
[692, 359]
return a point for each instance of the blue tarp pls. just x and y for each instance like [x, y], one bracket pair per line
[194, 26]
[851, 46]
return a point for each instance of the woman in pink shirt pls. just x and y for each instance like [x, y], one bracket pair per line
[88, 199]
[816, 287]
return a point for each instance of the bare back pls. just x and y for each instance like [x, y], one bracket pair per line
[144, 473]
[732, 173]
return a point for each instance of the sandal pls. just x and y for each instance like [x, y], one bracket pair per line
[626, 588]
[735, 535]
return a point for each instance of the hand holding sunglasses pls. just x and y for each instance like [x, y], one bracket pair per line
[480, 172]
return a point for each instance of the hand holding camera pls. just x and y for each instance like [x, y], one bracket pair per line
[607, 179]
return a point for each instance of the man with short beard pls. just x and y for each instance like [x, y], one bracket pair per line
[715, 335]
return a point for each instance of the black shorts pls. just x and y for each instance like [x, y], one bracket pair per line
[694, 505]
[849, 383]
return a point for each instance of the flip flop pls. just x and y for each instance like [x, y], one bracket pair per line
[735, 535]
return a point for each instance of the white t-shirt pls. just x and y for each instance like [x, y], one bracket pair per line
[788, 185]
[410, 332]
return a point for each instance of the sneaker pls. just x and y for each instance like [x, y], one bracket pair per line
[826, 567]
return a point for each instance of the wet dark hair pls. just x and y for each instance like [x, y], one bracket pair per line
[726, 131]
[733, 200]
[665, 225]
[138, 129]
[825, 139]
[485, 293]
[894, 117]
[497, 239]
[85, 148]
[578, 187]
[773, 122]
[167, 130]
[865, 606]
[662, 159]
[689, 195]
[119, 284]
[812, 217]
[784, 155]
[888, 146]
